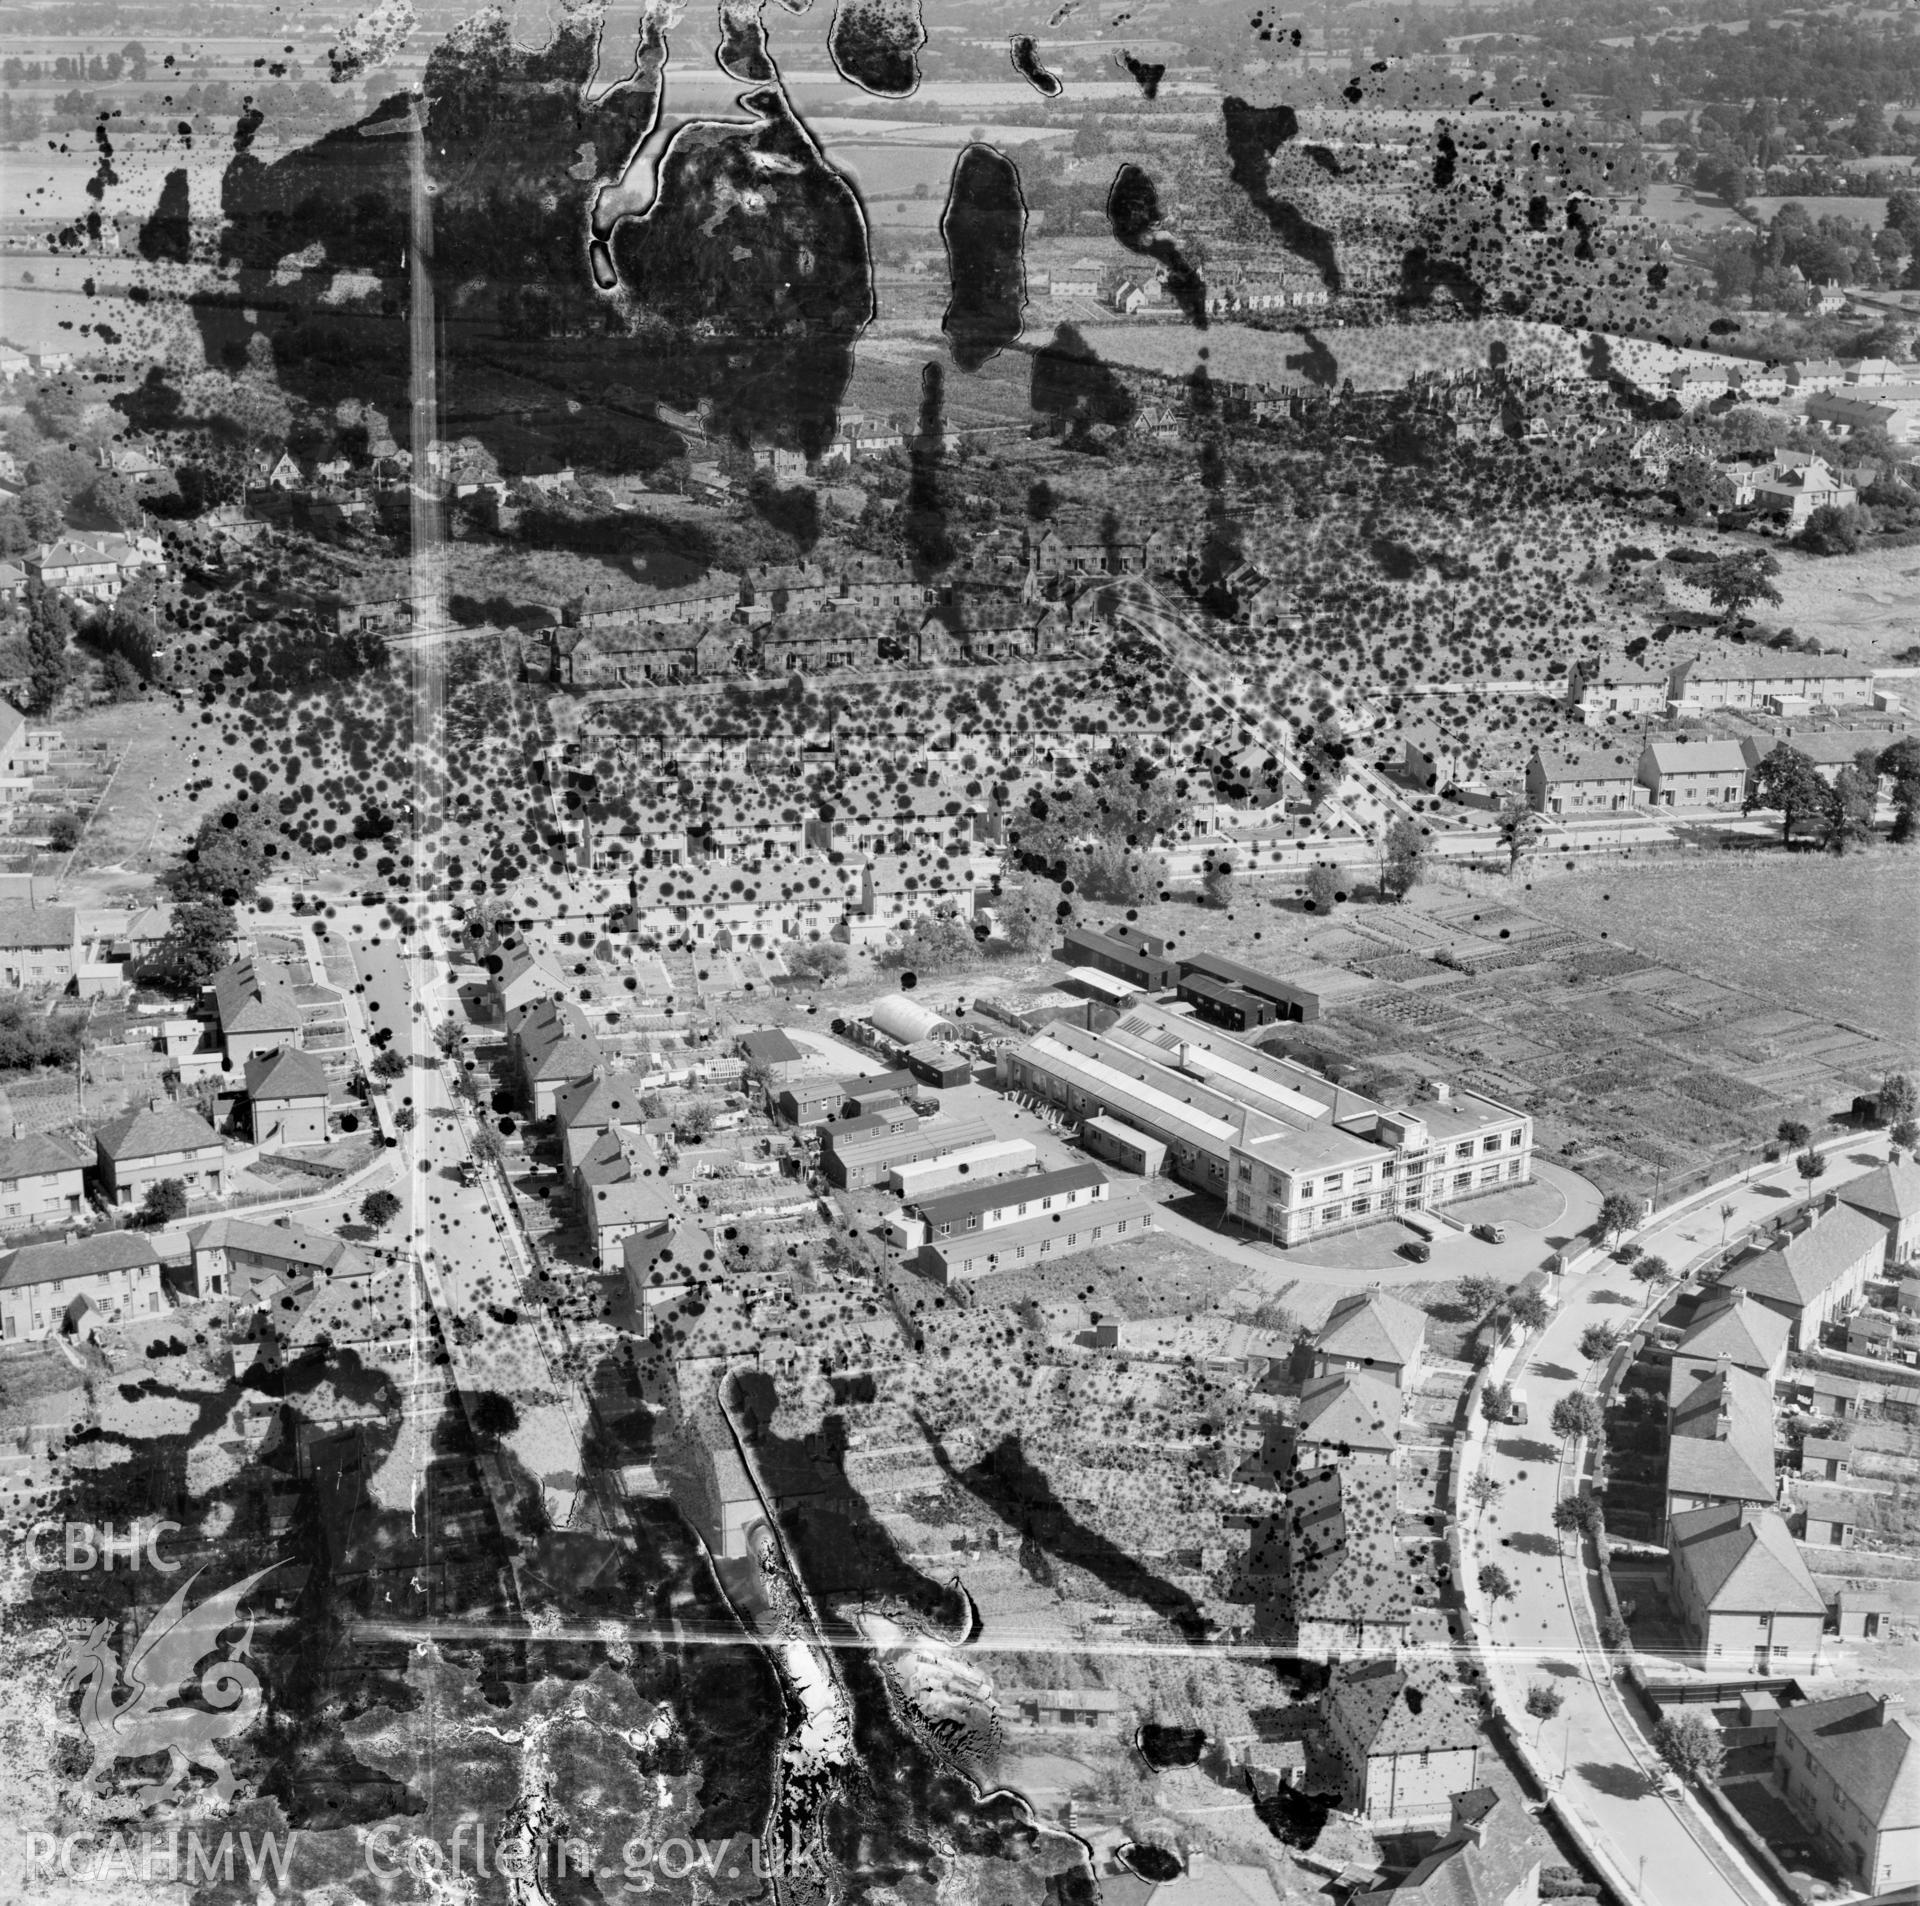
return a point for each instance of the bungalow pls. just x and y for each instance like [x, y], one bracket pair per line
[1816, 1275]
[1743, 1592]
[155, 1142]
[254, 1009]
[1594, 783]
[551, 1047]
[42, 1181]
[1849, 1766]
[1693, 774]
[1720, 1442]
[39, 946]
[1405, 1739]
[286, 1099]
[1750, 678]
[43, 1286]
[1371, 1332]
[1891, 1197]
[981, 1208]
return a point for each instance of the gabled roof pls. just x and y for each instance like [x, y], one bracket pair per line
[1698, 757]
[1722, 1433]
[287, 1073]
[1891, 1193]
[1796, 1272]
[1868, 1749]
[1483, 1861]
[554, 1040]
[311, 1250]
[22, 925]
[1728, 1323]
[151, 1133]
[594, 1104]
[770, 1046]
[1355, 1409]
[1389, 1709]
[39, 1153]
[1594, 766]
[1372, 1325]
[975, 1201]
[251, 996]
[77, 1257]
[1741, 1563]
[1344, 1557]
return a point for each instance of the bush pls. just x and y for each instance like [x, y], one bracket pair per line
[1563, 1882]
[63, 833]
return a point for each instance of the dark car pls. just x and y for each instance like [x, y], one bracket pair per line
[1417, 1249]
[1491, 1233]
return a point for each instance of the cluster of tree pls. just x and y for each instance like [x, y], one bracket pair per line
[64, 486]
[1838, 813]
[1097, 832]
[1777, 269]
[230, 854]
[29, 1040]
[49, 645]
[935, 942]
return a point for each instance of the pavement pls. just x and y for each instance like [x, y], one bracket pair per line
[1595, 1754]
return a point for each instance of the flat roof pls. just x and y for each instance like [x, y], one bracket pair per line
[1095, 981]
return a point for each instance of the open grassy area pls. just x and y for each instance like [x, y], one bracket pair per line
[1835, 938]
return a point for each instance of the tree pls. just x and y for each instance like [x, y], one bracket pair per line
[1598, 1340]
[1811, 1164]
[1791, 1131]
[1692, 1748]
[1897, 1102]
[1906, 1134]
[1580, 1512]
[1496, 1402]
[821, 959]
[378, 1209]
[1403, 858]
[165, 1202]
[404, 1118]
[1025, 917]
[1530, 1309]
[1323, 889]
[1787, 781]
[49, 649]
[1614, 1634]
[1848, 820]
[1618, 1213]
[1576, 1418]
[1544, 1701]
[1483, 1492]
[231, 853]
[1216, 884]
[63, 833]
[1479, 1294]
[1519, 829]
[121, 678]
[1495, 1583]
[488, 1146]
[448, 1037]
[1900, 763]
[197, 944]
[1834, 529]
[1652, 1270]
[1734, 581]
[694, 1121]
[388, 1063]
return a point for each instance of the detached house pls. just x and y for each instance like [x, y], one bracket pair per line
[158, 1141]
[1406, 1739]
[1792, 491]
[1745, 1595]
[1816, 1275]
[1372, 1332]
[1849, 1767]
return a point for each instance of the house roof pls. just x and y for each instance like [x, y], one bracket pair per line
[1827, 747]
[251, 996]
[1389, 1709]
[1868, 1749]
[1483, 1860]
[1698, 757]
[77, 1257]
[1344, 1557]
[554, 1040]
[1797, 1271]
[1356, 1409]
[287, 1073]
[1373, 1325]
[1722, 1433]
[37, 1153]
[28, 926]
[151, 1132]
[1730, 1324]
[1591, 766]
[770, 1046]
[1892, 1192]
[311, 1250]
[1742, 1563]
[594, 1104]
[1767, 665]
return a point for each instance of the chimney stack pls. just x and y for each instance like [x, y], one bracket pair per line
[157, 1103]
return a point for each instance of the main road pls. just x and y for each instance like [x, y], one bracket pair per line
[1663, 1847]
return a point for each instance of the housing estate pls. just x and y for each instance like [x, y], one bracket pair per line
[1595, 782]
[254, 1009]
[1730, 1323]
[1751, 678]
[1489, 1856]
[1347, 1413]
[1693, 774]
[286, 1095]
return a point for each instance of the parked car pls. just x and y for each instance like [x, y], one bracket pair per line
[1491, 1233]
[1516, 1405]
[1417, 1249]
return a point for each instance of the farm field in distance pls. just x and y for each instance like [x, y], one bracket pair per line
[1807, 930]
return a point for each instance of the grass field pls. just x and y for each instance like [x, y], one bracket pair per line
[1837, 938]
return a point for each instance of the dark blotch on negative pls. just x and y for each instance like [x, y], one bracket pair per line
[1146, 77]
[1025, 55]
[1133, 210]
[1254, 135]
[874, 43]
[984, 227]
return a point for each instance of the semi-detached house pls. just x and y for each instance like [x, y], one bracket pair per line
[1816, 1275]
[1406, 1739]
[1849, 1767]
[1693, 774]
[42, 1286]
[1744, 1593]
[1596, 782]
[1720, 1440]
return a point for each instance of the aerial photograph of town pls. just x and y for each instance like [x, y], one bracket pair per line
[959, 951]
